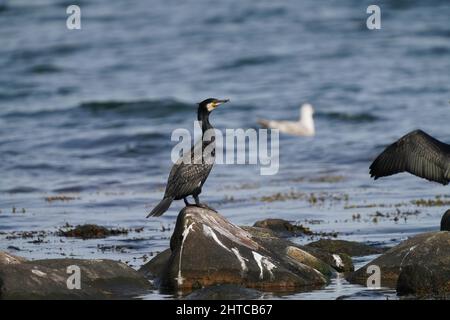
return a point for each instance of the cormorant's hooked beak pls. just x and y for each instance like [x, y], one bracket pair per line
[219, 102]
[214, 104]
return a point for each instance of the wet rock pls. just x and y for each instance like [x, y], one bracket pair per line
[260, 232]
[308, 259]
[284, 249]
[47, 279]
[351, 248]
[155, 267]
[9, 259]
[445, 221]
[225, 292]
[283, 228]
[424, 281]
[330, 262]
[91, 231]
[424, 259]
[341, 262]
[206, 250]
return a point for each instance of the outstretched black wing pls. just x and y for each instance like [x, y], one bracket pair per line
[417, 153]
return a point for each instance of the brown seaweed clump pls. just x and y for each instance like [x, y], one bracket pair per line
[91, 231]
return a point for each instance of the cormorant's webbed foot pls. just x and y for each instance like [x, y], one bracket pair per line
[202, 205]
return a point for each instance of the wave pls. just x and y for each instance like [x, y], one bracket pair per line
[433, 51]
[349, 117]
[251, 61]
[243, 16]
[153, 108]
[22, 189]
[59, 50]
[120, 141]
[44, 68]
[158, 108]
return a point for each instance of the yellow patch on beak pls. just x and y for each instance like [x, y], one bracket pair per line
[211, 106]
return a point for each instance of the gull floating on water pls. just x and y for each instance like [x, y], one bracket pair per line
[303, 127]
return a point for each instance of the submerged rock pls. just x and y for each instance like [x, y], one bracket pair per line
[338, 253]
[225, 292]
[206, 250]
[48, 279]
[351, 248]
[283, 228]
[445, 221]
[418, 266]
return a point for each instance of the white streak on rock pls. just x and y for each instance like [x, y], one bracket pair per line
[241, 260]
[38, 273]
[263, 262]
[10, 259]
[185, 233]
[338, 260]
[230, 231]
[210, 233]
[407, 254]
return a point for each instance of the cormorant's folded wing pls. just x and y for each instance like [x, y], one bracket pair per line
[417, 153]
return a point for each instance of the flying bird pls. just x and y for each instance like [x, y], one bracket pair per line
[417, 153]
[190, 172]
[303, 127]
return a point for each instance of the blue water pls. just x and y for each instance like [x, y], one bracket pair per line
[89, 113]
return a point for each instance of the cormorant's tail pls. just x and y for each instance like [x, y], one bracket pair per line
[161, 207]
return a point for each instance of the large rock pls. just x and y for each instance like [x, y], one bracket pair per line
[421, 281]
[47, 279]
[207, 250]
[423, 262]
[445, 221]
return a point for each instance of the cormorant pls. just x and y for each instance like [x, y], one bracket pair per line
[417, 153]
[190, 172]
[303, 127]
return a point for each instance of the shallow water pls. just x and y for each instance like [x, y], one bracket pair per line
[89, 114]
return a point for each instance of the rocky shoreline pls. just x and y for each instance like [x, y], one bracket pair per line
[207, 250]
[211, 258]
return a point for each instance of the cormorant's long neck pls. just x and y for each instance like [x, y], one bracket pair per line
[203, 117]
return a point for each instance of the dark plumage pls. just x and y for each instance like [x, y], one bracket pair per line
[190, 172]
[417, 153]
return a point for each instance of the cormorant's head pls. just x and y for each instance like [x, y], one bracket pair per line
[210, 104]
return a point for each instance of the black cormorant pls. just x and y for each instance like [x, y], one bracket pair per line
[417, 153]
[190, 172]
